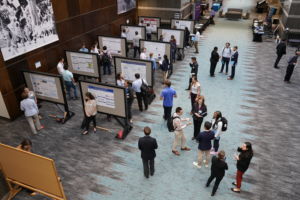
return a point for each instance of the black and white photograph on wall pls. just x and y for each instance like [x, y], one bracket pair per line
[126, 5]
[25, 25]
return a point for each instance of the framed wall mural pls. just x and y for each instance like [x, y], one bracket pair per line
[25, 25]
[125, 5]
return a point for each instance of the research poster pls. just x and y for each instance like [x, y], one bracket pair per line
[82, 62]
[104, 97]
[154, 23]
[25, 25]
[168, 33]
[130, 68]
[158, 49]
[114, 45]
[181, 24]
[131, 32]
[44, 86]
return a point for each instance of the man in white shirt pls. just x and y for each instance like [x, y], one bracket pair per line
[69, 82]
[148, 31]
[136, 44]
[179, 135]
[226, 55]
[140, 95]
[60, 66]
[197, 40]
[143, 55]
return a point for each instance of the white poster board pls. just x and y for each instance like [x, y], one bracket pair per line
[181, 24]
[25, 26]
[44, 86]
[131, 32]
[167, 33]
[153, 21]
[104, 97]
[115, 46]
[3, 109]
[159, 49]
[130, 68]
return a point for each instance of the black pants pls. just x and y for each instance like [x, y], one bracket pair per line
[279, 56]
[88, 121]
[216, 144]
[148, 167]
[129, 105]
[225, 61]
[232, 71]
[140, 98]
[212, 68]
[217, 182]
[167, 112]
[193, 99]
[197, 125]
[136, 49]
[289, 72]
[148, 36]
[190, 81]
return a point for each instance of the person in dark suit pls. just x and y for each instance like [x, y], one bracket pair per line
[147, 145]
[280, 51]
[291, 65]
[234, 60]
[214, 59]
[218, 167]
[194, 70]
[199, 112]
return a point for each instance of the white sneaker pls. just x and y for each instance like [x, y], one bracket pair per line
[204, 161]
[196, 165]
[206, 166]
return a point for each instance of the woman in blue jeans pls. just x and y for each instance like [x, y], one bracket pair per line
[217, 128]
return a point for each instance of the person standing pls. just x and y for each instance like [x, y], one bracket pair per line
[291, 65]
[199, 112]
[217, 125]
[180, 139]
[69, 83]
[95, 49]
[204, 138]
[195, 91]
[214, 59]
[148, 32]
[226, 55]
[143, 55]
[120, 80]
[83, 48]
[147, 145]
[136, 44]
[194, 70]
[90, 111]
[106, 61]
[165, 68]
[136, 85]
[243, 162]
[31, 112]
[129, 98]
[197, 40]
[167, 96]
[218, 167]
[154, 66]
[280, 51]
[186, 36]
[60, 66]
[234, 60]
[173, 48]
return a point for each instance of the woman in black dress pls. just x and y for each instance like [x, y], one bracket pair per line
[199, 112]
[243, 162]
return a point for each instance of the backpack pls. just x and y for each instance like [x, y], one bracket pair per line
[144, 88]
[170, 124]
[105, 58]
[224, 123]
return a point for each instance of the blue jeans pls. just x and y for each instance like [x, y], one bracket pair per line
[69, 85]
[106, 68]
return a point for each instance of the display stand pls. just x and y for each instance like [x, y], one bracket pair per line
[61, 100]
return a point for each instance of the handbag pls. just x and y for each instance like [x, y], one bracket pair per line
[144, 87]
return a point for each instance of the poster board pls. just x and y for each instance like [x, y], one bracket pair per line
[167, 33]
[3, 110]
[82, 63]
[31, 170]
[115, 45]
[110, 99]
[131, 31]
[159, 49]
[48, 87]
[182, 23]
[153, 21]
[129, 67]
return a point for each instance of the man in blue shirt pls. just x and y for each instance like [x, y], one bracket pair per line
[69, 82]
[83, 49]
[167, 96]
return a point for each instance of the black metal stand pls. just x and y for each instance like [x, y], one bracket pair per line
[126, 127]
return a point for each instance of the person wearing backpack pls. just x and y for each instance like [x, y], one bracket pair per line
[178, 126]
[106, 61]
[140, 95]
[167, 96]
[226, 55]
[218, 126]
[173, 48]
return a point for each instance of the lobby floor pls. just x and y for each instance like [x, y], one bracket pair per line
[259, 106]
